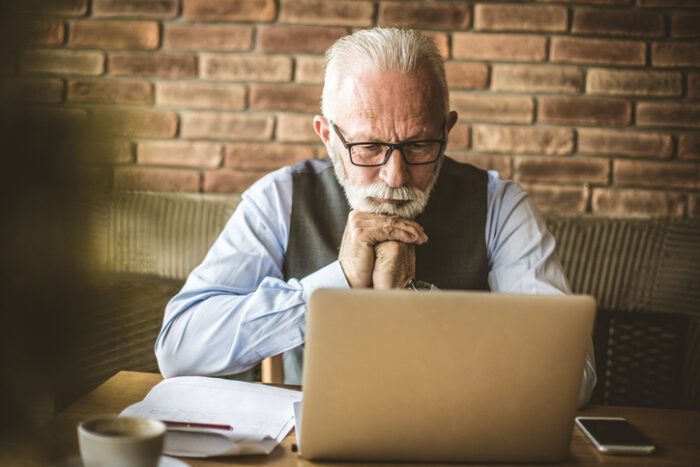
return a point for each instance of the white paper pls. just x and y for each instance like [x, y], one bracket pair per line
[261, 416]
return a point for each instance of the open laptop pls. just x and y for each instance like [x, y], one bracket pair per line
[442, 376]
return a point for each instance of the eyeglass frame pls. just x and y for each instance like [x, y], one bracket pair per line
[392, 147]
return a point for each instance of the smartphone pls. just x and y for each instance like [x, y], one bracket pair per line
[614, 435]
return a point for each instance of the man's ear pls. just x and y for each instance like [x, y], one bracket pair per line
[451, 120]
[322, 129]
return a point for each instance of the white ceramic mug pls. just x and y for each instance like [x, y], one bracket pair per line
[112, 441]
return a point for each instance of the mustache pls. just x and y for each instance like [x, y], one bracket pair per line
[384, 191]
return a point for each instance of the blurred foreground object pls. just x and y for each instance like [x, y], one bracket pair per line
[41, 285]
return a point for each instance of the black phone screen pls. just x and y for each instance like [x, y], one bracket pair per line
[614, 432]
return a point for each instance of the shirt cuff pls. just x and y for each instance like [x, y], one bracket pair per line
[328, 277]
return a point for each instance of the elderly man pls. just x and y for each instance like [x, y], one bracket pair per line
[387, 209]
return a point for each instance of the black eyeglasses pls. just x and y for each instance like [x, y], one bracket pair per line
[375, 153]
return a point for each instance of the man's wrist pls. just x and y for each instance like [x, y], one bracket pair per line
[329, 276]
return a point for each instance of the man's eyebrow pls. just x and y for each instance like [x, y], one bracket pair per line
[421, 135]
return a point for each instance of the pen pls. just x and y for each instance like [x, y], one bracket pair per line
[213, 426]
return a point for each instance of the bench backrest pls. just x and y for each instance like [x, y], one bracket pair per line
[644, 273]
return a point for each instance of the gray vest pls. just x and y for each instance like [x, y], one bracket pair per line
[454, 257]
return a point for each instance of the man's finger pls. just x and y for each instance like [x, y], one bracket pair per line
[394, 266]
[375, 228]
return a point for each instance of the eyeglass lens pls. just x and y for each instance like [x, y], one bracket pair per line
[415, 153]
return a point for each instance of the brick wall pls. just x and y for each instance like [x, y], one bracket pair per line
[592, 105]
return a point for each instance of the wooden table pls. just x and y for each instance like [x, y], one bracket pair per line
[675, 433]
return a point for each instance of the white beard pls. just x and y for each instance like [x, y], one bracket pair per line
[360, 198]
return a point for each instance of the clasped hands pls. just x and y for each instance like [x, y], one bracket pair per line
[379, 250]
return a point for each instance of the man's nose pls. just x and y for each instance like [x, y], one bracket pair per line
[395, 172]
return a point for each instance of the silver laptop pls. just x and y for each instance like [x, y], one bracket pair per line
[442, 376]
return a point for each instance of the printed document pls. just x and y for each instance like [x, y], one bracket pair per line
[218, 417]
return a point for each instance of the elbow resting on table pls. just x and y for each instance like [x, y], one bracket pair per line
[177, 356]
[167, 360]
[171, 362]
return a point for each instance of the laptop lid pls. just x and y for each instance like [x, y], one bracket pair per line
[442, 376]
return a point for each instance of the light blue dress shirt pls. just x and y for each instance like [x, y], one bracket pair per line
[236, 309]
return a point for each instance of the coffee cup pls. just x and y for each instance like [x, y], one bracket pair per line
[112, 441]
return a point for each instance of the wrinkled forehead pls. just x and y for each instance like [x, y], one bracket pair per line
[371, 93]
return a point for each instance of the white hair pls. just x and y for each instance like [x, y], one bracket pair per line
[386, 49]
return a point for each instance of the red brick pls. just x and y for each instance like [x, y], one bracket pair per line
[668, 3]
[689, 146]
[106, 151]
[160, 9]
[58, 7]
[537, 78]
[623, 22]
[459, 137]
[251, 156]
[294, 98]
[200, 95]
[508, 47]
[685, 25]
[304, 39]
[592, 2]
[694, 85]
[95, 178]
[501, 164]
[115, 34]
[441, 40]
[694, 206]
[668, 114]
[296, 128]
[151, 178]
[310, 69]
[626, 202]
[584, 111]
[523, 139]
[425, 15]
[79, 62]
[624, 143]
[26, 89]
[597, 51]
[158, 65]
[634, 83]
[513, 17]
[49, 90]
[58, 118]
[219, 125]
[656, 174]
[321, 12]
[136, 123]
[558, 198]
[465, 75]
[230, 10]
[180, 153]
[492, 108]
[675, 54]
[112, 91]
[246, 67]
[229, 181]
[224, 37]
[45, 32]
[562, 170]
